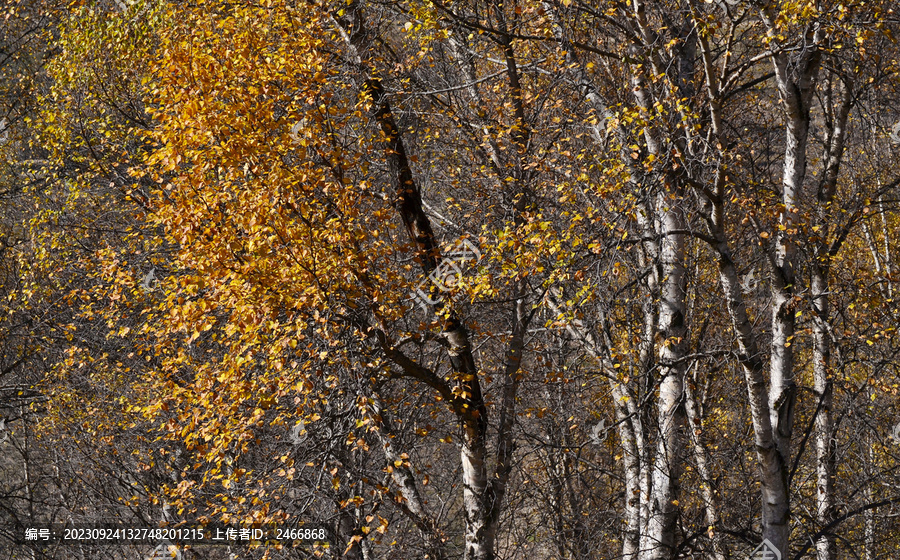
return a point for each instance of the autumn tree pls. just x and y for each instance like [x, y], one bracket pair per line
[71, 372]
[663, 100]
[482, 279]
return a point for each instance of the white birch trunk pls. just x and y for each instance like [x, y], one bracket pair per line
[627, 430]
[824, 428]
[795, 76]
[637, 474]
[659, 539]
[773, 470]
[836, 114]
[470, 409]
[701, 458]
[403, 478]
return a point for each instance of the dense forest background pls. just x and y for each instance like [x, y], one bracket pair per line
[500, 279]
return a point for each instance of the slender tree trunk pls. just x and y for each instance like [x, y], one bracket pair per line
[825, 547]
[670, 210]
[630, 430]
[772, 464]
[470, 407]
[888, 264]
[650, 487]
[627, 430]
[773, 470]
[659, 540]
[795, 76]
[701, 458]
[349, 531]
[401, 473]
[520, 318]
[837, 110]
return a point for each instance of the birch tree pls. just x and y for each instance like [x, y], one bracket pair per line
[478, 279]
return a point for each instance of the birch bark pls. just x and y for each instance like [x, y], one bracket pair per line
[836, 105]
[469, 406]
[650, 522]
[637, 475]
[659, 541]
[795, 77]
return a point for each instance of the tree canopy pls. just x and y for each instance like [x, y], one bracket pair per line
[472, 279]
